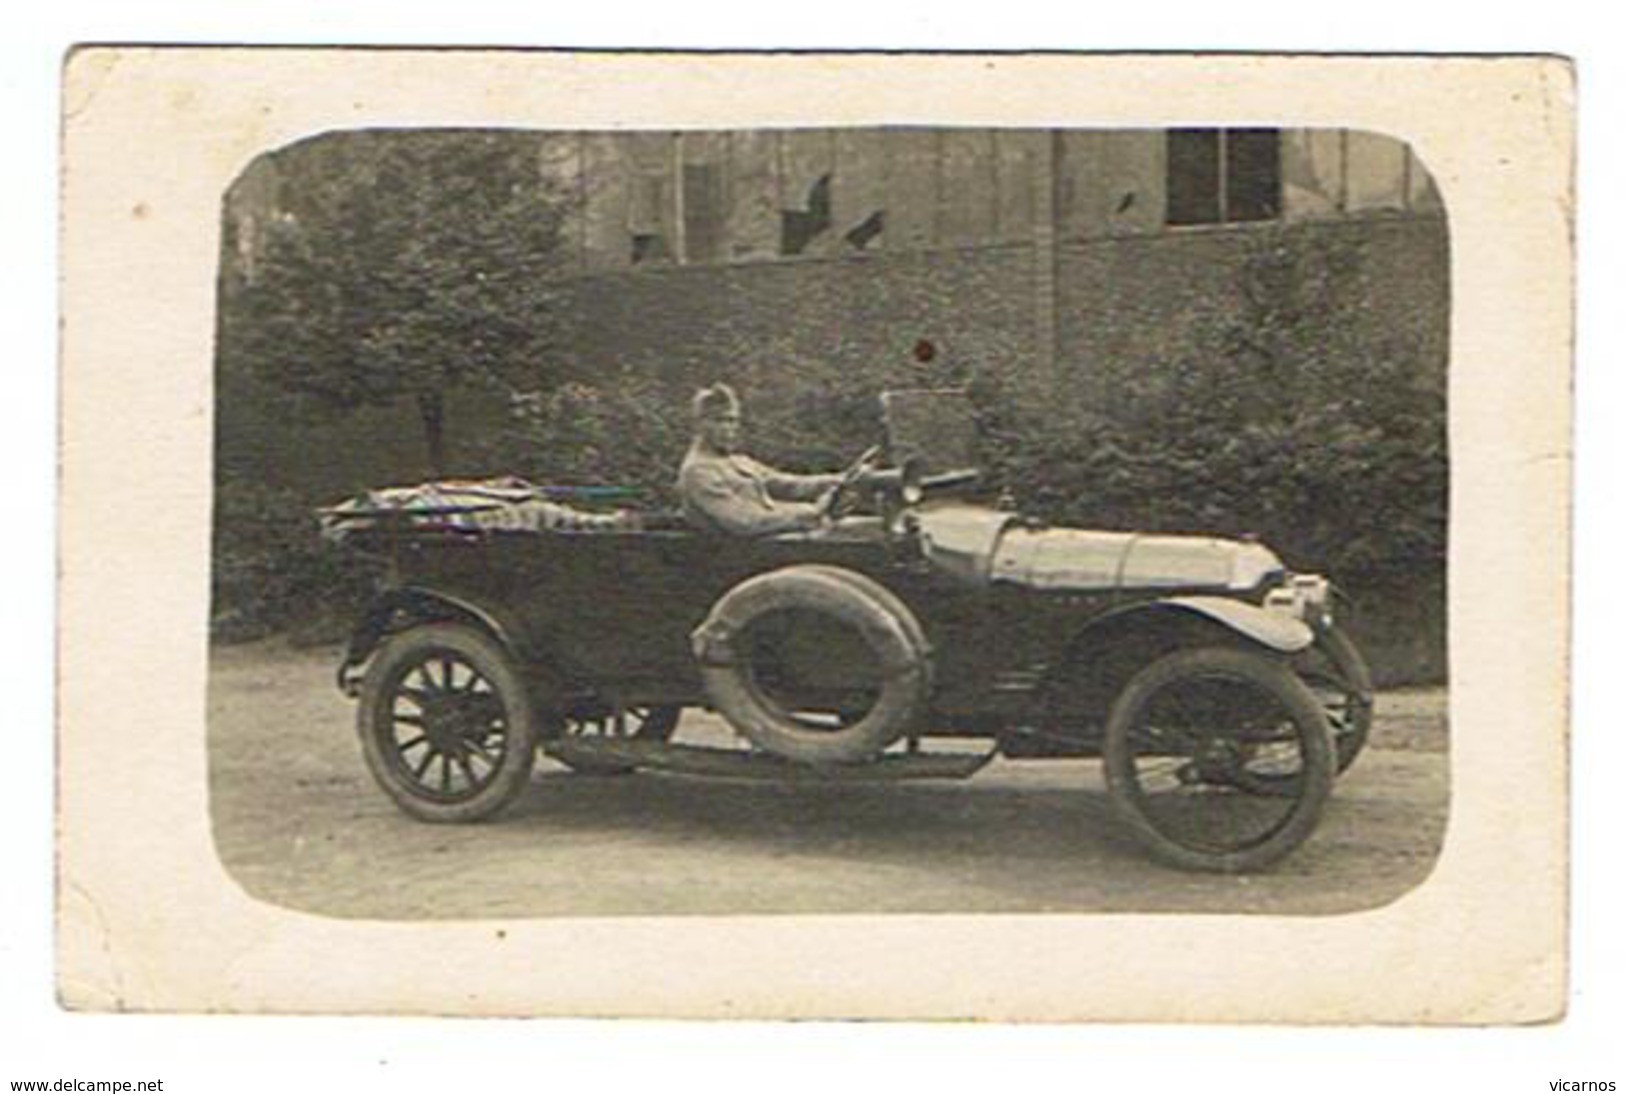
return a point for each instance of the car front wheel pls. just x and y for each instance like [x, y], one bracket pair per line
[1337, 673]
[1193, 739]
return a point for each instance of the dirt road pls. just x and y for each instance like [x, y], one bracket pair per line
[298, 822]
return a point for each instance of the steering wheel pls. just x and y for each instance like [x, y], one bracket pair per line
[832, 501]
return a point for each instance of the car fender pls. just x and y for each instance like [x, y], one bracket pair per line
[427, 605]
[1276, 630]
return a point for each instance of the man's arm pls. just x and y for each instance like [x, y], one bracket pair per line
[714, 493]
[783, 484]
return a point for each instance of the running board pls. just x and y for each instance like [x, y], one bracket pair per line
[738, 763]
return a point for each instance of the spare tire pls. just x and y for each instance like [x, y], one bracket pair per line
[895, 645]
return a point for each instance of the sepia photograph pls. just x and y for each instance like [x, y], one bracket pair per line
[831, 520]
[706, 536]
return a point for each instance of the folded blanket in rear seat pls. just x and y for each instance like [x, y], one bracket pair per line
[507, 504]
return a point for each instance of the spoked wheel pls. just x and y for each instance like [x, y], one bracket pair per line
[1220, 759]
[1336, 672]
[446, 725]
[656, 723]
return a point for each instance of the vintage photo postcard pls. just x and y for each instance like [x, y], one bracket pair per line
[1015, 537]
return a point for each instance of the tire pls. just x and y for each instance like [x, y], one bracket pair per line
[735, 676]
[900, 611]
[446, 724]
[656, 723]
[1215, 720]
[1336, 671]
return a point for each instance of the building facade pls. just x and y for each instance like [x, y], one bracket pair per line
[703, 198]
[1062, 257]
[1059, 262]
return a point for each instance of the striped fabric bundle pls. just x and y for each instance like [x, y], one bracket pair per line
[506, 504]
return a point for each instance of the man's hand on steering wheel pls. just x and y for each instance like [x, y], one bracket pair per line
[830, 503]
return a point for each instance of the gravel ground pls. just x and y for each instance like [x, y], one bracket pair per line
[298, 822]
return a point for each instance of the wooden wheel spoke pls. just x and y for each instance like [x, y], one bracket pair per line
[583, 727]
[427, 687]
[1192, 729]
[423, 765]
[1161, 776]
[1161, 739]
[471, 684]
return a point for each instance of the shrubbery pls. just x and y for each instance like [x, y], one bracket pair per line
[271, 571]
[626, 433]
[1332, 452]
[1328, 490]
[1278, 423]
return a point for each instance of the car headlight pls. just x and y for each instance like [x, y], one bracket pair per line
[1307, 597]
[911, 482]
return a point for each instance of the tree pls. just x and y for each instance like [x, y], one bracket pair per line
[401, 265]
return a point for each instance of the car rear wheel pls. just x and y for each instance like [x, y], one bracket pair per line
[1190, 744]
[656, 723]
[446, 725]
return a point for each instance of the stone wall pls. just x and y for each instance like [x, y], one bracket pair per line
[1135, 302]
[853, 325]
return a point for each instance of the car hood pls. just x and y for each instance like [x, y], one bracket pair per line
[985, 545]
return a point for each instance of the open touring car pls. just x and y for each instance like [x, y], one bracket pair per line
[1217, 687]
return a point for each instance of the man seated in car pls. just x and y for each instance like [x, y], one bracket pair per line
[724, 490]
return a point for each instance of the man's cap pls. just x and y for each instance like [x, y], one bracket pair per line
[716, 401]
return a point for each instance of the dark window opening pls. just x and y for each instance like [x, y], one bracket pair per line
[799, 227]
[1218, 176]
[649, 247]
[1193, 176]
[702, 212]
[650, 221]
[1252, 165]
[867, 230]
